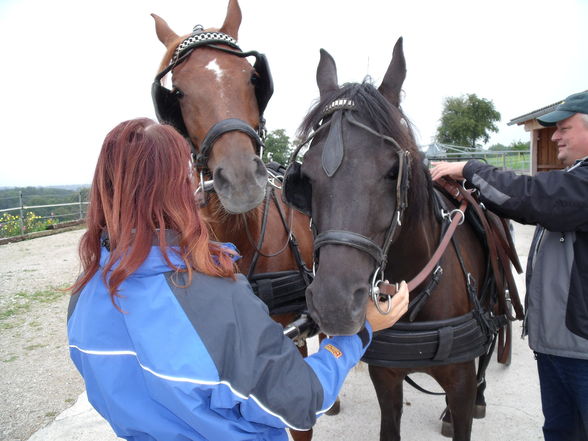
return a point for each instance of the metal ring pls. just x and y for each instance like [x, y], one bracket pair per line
[274, 180]
[375, 292]
[456, 211]
[375, 282]
[377, 302]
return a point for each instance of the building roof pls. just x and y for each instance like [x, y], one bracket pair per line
[535, 113]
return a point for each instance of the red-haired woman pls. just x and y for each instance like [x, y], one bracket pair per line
[172, 344]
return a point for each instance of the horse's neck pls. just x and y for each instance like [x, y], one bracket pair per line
[417, 241]
[239, 229]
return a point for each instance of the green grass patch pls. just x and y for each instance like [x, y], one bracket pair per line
[22, 302]
[33, 347]
[513, 161]
[14, 310]
[9, 359]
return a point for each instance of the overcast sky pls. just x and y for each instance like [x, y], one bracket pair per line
[73, 69]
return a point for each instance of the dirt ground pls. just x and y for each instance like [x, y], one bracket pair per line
[37, 379]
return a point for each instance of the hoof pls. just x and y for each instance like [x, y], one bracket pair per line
[447, 429]
[479, 411]
[335, 408]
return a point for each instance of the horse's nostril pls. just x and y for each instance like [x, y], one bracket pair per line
[220, 178]
[360, 293]
[260, 171]
[218, 173]
[260, 166]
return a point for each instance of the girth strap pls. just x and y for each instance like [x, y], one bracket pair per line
[433, 343]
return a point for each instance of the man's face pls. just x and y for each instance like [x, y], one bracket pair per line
[571, 138]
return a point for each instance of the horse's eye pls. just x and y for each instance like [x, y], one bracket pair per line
[177, 92]
[393, 174]
[254, 79]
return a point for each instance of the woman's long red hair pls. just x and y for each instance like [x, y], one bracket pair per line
[143, 186]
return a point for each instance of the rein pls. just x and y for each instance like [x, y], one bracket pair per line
[389, 289]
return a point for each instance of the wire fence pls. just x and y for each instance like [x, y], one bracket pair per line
[515, 160]
[26, 218]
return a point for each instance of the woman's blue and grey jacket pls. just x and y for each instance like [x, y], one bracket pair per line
[556, 316]
[198, 362]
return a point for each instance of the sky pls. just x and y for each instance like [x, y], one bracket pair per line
[74, 69]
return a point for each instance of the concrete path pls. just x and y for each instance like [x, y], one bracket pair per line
[513, 401]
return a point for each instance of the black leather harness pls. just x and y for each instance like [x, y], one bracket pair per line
[440, 342]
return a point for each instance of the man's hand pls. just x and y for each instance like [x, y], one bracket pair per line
[380, 321]
[451, 169]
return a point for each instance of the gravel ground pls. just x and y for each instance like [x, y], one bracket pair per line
[37, 379]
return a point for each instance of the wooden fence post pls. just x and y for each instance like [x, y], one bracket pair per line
[22, 228]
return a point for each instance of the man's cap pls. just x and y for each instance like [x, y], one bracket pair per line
[576, 103]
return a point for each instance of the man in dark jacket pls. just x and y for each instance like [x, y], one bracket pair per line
[556, 317]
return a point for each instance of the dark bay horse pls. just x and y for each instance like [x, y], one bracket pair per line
[216, 100]
[376, 216]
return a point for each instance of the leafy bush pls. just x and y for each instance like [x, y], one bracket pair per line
[10, 224]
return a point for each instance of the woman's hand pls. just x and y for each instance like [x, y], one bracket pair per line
[380, 321]
[452, 169]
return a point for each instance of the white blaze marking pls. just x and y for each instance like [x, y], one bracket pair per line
[214, 67]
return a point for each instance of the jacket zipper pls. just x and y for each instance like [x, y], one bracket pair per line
[533, 256]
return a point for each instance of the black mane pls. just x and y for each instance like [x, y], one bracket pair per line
[372, 108]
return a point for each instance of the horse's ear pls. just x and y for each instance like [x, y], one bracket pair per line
[326, 74]
[395, 75]
[232, 20]
[164, 32]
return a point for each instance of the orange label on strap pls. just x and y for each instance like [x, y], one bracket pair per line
[333, 350]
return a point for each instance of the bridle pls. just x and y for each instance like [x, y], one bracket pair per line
[342, 110]
[166, 101]
[294, 182]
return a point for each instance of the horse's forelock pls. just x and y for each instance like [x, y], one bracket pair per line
[169, 53]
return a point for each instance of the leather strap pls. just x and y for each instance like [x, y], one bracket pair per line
[219, 129]
[497, 255]
[390, 289]
[351, 239]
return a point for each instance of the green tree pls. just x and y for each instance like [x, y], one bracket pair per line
[277, 143]
[466, 120]
[520, 145]
[498, 148]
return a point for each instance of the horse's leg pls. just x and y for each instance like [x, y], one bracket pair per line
[388, 385]
[459, 383]
[480, 408]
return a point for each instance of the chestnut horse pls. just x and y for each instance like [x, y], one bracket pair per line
[372, 202]
[216, 101]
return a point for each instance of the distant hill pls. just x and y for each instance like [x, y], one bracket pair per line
[33, 196]
[74, 187]
[70, 187]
